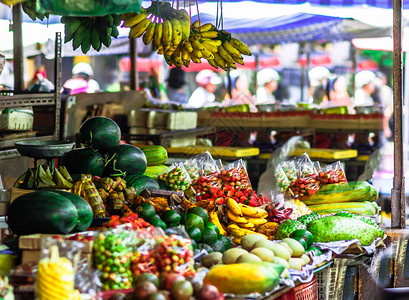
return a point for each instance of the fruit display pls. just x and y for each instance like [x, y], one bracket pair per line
[55, 278]
[154, 171]
[287, 227]
[177, 179]
[155, 155]
[171, 34]
[42, 177]
[364, 208]
[87, 32]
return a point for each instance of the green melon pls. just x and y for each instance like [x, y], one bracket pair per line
[141, 182]
[83, 161]
[100, 133]
[125, 160]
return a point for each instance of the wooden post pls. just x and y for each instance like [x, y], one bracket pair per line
[132, 55]
[398, 190]
[18, 56]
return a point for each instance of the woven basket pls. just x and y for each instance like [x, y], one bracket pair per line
[305, 291]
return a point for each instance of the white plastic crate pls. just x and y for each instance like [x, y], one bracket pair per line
[16, 119]
[331, 280]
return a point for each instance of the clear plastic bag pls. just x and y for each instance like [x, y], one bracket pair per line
[113, 250]
[307, 183]
[206, 163]
[282, 181]
[177, 178]
[332, 173]
[88, 8]
[236, 172]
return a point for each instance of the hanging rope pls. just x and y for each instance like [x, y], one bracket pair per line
[198, 15]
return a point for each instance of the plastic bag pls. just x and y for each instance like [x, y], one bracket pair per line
[177, 178]
[113, 250]
[87, 279]
[206, 163]
[88, 8]
[307, 183]
[56, 269]
[277, 212]
[281, 179]
[236, 172]
[332, 173]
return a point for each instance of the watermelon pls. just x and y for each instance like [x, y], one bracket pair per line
[84, 210]
[100, 133]
[141, 182]
[42, 212]
[155, 155]
[155, 171]
[83, 161]
[125, 160]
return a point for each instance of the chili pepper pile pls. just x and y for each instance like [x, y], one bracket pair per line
[132, 219]
[177, 179]
[233, 183]
[332, 176]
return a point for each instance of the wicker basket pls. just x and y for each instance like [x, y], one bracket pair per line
[331, 280]
[305, 291]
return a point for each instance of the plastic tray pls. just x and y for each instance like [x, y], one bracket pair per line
[43, 149]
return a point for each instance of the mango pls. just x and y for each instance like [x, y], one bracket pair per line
[264, 254]
[231, 255]
[294, 264]
[248, 241]
[306, 258]
[245, 278]
[247, 258]
[281, 261]
[296, 246]
[281, 251]
[211, 259]
[287, 247]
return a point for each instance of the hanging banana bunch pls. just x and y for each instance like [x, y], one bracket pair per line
[90, 31]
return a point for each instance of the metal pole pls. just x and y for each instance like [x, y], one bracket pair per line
[132, 55]
[354, 56]
[398, 190]
[18, 57]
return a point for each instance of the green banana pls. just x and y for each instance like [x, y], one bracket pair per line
[70, 29]
[115, 31]
[79, 36]
[117, 20]
[86, 41]
[95, 40]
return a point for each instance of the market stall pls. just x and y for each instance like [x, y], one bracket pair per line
[112, 219]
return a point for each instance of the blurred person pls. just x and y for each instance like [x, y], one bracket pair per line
[240, 94]
[383, 95]
[81, 81]
[39, 82]
[365, 86]
[174, 89]
[207, 81]
[7, 77]
[267, 80]
[338, 95]
[318, 77]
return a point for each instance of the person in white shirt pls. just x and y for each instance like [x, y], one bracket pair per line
[365, 86]
[207, 81]
[267, 80]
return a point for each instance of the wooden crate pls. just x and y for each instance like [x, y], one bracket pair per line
[335, 121]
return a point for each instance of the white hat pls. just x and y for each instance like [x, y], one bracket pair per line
[364, 77]
[267, 75]
[84, 68]
[317, 74]
[207, 76]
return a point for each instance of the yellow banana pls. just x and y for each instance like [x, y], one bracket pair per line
[176, 32]
[186, 63]
[207, 54]
[210, 34]
[209, 47]
[226, 56]
[197, 45]
[185, 54]
[231, 65]
[254, 212]
[177, 57]
[157, 37]
[240, 46]
[148, 36]
[161, 50]
[220, 62]
[167, 33]
[231, 50]
[268, 226]
[214, 218]
[239, 60]
[168, 59]
[188, 46]
[194, 37]
[205, 27]
[248, 225]
[237, 240]
[257, 221]
[185, 23]
[196, 24]
[235, 230]
[197, 54]
[139, 29]
[233, 206]
[236, 218]
[132, 21]
[195, 59]
[215, 43]
[212, 63]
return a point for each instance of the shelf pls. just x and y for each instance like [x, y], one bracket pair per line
[10, 143]
[20, 100]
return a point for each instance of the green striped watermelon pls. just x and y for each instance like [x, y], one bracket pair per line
[155, 155]
[141, 182]
[155, 171]
[125, 160]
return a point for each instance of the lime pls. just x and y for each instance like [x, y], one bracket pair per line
[195, 221]
[194, 233]
[218, 246]
[201, 212]
[226, 242]
[305, 234]
[146, 211]
[171, 218]
[210, 236]
[157, 222]
[214, 227]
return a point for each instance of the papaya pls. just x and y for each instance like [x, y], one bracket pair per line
[245, 278]
[354, 191]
